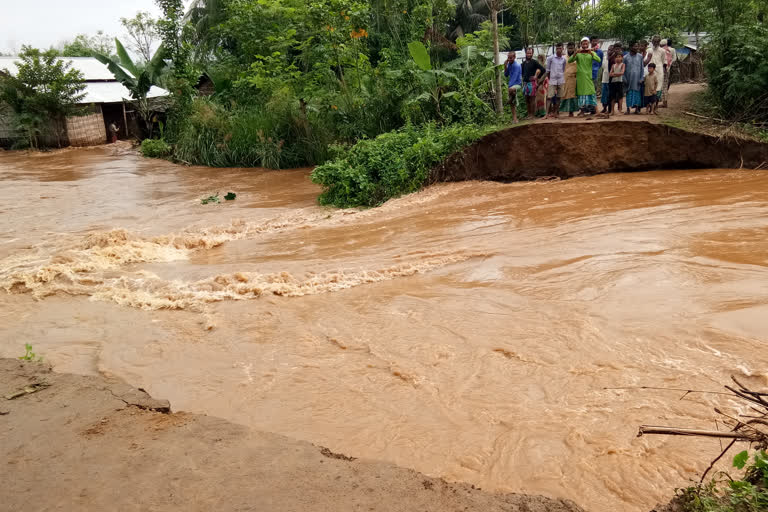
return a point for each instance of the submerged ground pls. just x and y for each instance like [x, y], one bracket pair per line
[468, 331]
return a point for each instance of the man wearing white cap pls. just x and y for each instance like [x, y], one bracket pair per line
[585, 87]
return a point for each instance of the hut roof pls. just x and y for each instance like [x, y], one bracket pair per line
[100, 84]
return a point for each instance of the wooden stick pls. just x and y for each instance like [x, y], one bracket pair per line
[673, 431]
[712, 464]
[673, 389]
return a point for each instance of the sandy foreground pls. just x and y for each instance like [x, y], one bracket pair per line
[93, 443]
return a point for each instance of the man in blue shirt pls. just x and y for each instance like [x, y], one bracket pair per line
[514, 72]
[596, 65]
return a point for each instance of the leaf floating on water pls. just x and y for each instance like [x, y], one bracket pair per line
[230, 196]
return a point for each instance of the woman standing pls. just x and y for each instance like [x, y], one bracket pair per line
[541, 91]
[585, 87]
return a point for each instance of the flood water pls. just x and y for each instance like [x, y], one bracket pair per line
[467, 331]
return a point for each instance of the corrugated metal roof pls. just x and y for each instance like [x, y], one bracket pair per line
[91, 68]
[114, 92]
[101, 86]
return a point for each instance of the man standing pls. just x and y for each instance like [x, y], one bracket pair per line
[596, 64]
[556, 71]
[585, 86]
[113, 129]
[532, 71]
[671, 59]
[658, 56]
[513, 71]
[568, 102]
[633, 77]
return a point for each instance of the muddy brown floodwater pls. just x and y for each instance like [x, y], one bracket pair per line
[467, 331]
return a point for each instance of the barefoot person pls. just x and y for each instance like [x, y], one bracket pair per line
[585, 86]
[605, 74]
[556, 73]
[568, 102]
[514, 73]
[532, 71]
[651, 86]
[617, 83]
[659, 58]
[113, 129]
[633, 77]
[542, 91]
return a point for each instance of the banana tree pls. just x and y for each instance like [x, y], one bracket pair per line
[435, 83]
[137, 79]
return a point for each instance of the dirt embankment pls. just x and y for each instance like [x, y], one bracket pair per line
[91, 443]
[567, 150]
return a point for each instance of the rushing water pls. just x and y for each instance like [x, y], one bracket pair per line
[467, 331]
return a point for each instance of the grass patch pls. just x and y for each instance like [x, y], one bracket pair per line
[725, 494]
[155, 148]
[392, 164]
[702, 103]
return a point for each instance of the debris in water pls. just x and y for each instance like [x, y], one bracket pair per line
[230, 196]
[211, 199]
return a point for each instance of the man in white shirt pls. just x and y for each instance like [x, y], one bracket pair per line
[659, 57]
[556, 72]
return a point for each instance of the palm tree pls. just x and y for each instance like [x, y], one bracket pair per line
[137, 79]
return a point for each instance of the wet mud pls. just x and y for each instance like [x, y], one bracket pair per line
[567, 150]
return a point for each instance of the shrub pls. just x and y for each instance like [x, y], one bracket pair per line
[731, 495]
[738, 72]
[155, 148]
[390, 165]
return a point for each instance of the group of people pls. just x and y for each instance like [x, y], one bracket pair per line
[571, 83]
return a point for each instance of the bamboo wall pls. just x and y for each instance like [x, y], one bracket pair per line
[87, 130]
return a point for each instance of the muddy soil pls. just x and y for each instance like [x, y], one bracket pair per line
[91, 443]
[568, 150]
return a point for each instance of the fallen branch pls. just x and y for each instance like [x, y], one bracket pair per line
[673, 431]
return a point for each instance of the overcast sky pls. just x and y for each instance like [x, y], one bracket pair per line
[42, 23]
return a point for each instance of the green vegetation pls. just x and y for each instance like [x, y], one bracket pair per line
[138, 79]
[748, 494]
[390, 165]
[41, 95]
[29, 355]
[84, 45]
[155, 148]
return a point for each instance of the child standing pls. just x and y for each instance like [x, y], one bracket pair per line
[617, 82]
[651, 84]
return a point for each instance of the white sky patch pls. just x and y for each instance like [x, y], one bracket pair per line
[45, 23]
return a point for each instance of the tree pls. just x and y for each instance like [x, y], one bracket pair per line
[494, 6]
[137, 79]
[142, 34]
[45, 90]
[84, 45]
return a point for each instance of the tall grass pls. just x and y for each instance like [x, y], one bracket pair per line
[273, 135]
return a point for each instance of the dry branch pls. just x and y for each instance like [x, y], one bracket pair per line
[674, 431]
[741, 431]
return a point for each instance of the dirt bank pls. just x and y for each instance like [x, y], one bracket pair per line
[91, 443]
[567, 150]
